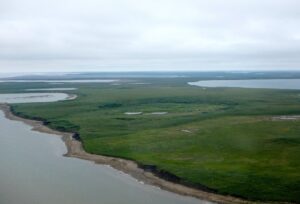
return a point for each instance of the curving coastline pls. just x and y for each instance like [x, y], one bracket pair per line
[140, 172]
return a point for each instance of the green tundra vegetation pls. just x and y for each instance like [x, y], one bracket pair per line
[225, 139]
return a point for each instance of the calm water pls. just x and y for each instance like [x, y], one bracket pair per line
[33, 171]
[32, 97]
[261, 83]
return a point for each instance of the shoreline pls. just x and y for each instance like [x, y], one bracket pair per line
[75, 150]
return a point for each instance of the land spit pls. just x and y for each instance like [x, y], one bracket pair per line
[142, 173]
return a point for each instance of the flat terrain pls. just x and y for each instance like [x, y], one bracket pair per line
[225, 139]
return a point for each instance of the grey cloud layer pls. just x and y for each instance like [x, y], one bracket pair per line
[98, 35]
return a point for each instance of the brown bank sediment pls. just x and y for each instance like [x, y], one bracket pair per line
[75, 149]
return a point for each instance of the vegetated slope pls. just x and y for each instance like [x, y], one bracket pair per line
[223, 139]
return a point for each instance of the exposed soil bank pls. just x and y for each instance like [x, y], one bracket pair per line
[145, 173]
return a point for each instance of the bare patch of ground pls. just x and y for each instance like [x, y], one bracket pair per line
[133, 113]
[186, 131]
[286, 117]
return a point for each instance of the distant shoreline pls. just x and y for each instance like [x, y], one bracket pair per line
[75, 149]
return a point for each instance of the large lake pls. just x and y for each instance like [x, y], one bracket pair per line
[259, 83]
[33, 171]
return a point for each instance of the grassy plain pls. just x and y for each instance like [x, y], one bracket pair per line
[222, 138]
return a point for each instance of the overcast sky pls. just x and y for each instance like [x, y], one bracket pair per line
[137, 35]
